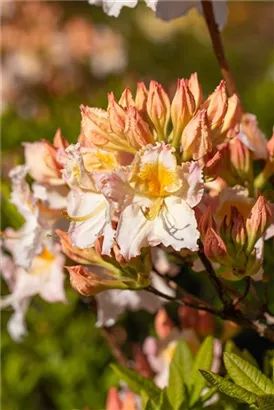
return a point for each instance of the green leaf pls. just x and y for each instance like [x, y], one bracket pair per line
[266, 400]
[203, 361]
[231, 347]
[229, 388]
[136, 382]
[180, 369]
[243, 373]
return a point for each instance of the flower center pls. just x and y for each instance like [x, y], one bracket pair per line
[156, 179]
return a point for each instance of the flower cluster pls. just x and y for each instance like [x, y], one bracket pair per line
[150, 177]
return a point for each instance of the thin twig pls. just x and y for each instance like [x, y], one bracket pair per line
[239, 299]
[114, 347]
[218, 46]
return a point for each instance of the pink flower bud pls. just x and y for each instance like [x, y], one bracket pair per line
[158, 108]
[84, 282]
[141, 97]
[216, 106]
[59, 142]
[213, 165]
[126, 99]
[195, 89]
[206, 221]
[195, 141]
[137, 130]
[240, 159]
[233, 114]
[182, 107]
[238, 232]
[258, 221]
[95, 126]
[214, 247]
[117, 115]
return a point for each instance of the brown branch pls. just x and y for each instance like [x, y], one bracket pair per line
[245, 293]
[218, 47]
[114, 347]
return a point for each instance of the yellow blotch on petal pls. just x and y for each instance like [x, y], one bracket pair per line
[99, 160]
[156, 179]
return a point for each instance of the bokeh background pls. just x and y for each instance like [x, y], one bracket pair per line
[56, 56]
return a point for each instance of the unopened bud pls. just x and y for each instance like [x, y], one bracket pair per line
[258, 221]
[213, 165]
[216, 106]
[59, 142]
[232, 116]
[126, 99]
[117, 115]
[240, 159]
[182, 107]
[195, 141]
[206, 221]
[95, 126]
[214, 247]
[141, 97]
[158, 108]
[195, 89]
[238, 232]
[137, 130]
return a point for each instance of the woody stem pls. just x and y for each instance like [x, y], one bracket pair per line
[218, 46]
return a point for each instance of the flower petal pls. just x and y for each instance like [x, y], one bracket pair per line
[193, 185]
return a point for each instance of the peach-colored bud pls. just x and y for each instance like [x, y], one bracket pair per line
[158, 108]
[238, 232]
[252, 136]
[206, 324]
[270, 146]
[163, 324]
[258, 220]
[195, 89]
[214, 247]
[59, 142]
[85, 282]
[240, 159]
[126, 99]
[195, 141]
[233, 114]
[206, 221]
[141, 97]
[137, 130]
[87, 256]
[216, 106]
[213, 164]
[188, 317]
[95, 126]
[113, 400]
[182, 107]
[117, 115]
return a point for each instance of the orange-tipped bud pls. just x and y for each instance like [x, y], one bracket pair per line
[141, 97]
[258, 221]
[238, 232]
[163, 324]
[117, 115]
[158, 108]
[87, 256]
[233, 114]
[182, 107]
[137, 130]
[195, 141]
[59, 142]
[206, 221]
[240, 159]
[126, 99]
[213, 165]
[95, 126]
[214, 247]
[195, 89]
[216, 106]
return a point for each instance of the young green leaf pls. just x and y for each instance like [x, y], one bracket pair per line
[136, 382]
[179, 372]
[243, 373]
[231, 347]
[203, 361]
[229, 388]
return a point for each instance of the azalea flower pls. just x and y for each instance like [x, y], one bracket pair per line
[155, 201]
[164, 9]
[45, 278]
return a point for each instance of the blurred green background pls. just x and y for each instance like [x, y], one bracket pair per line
[51, 52]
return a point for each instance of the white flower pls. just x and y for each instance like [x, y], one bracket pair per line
[165, 9]
[155, 202]
[45, 278]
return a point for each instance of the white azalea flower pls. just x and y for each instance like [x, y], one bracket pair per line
[158, 201]
[165, 9]
[45, 278]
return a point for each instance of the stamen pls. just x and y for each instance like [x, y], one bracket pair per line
[85, 217]
[151, 213]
